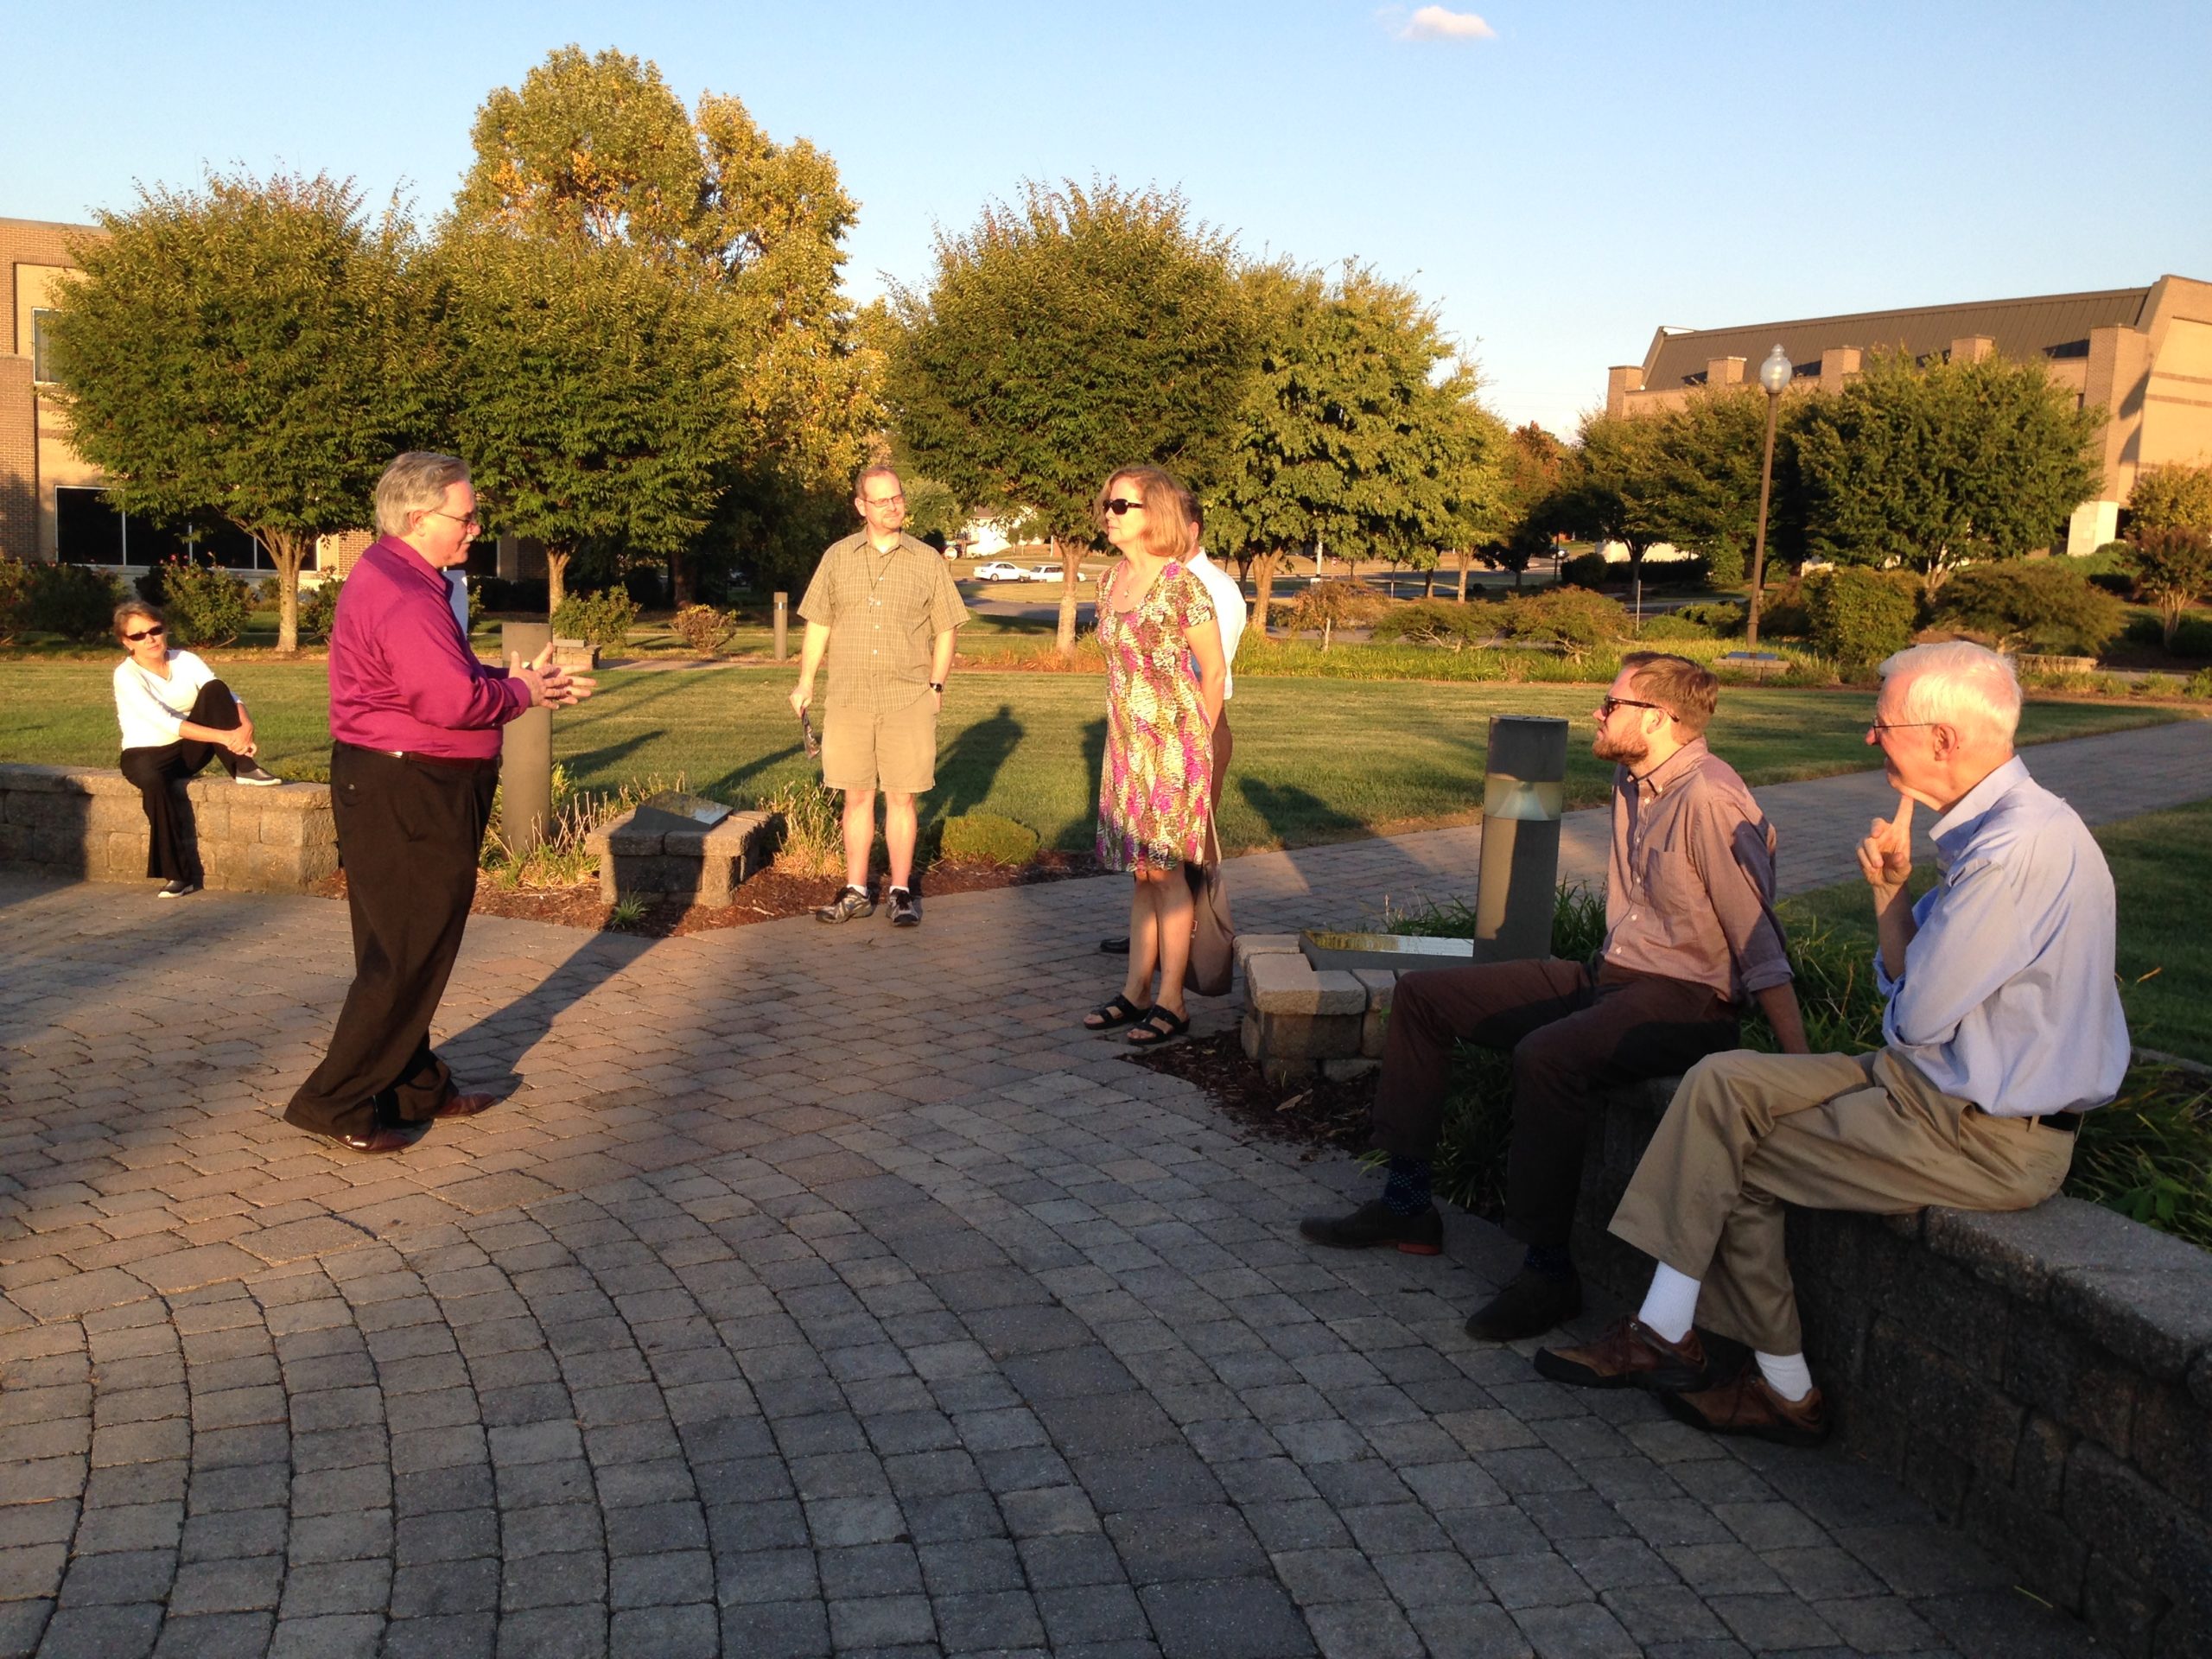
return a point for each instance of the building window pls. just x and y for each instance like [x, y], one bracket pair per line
[41, 351]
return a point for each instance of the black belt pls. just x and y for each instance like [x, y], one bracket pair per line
[445, 762]
[2064, 1122]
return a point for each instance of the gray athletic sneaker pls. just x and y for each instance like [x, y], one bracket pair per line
[853, 901]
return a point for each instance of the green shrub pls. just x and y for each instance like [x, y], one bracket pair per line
[704, 629]
[1782, 612]
[73, 601]
[2159, 685]
[2200, 684]
[1326, 606]
[2035, 605]
[14, 598]
[2109, 685]
[603, 618]
[206, 606]
[1437, 622]
[1724, 565]
[985, 837]
[1858, 617]
[1583, 570]
[1575, 619]
[269, 594]
[1671, 626]
[319, 608]
[1722, 619]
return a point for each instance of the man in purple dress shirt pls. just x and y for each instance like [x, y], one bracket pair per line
[415, 722]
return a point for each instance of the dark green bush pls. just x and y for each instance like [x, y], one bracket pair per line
[206, 606]
[1859, 617]
[1671, 625]
[1722, 617]
[73, 601]
[2034, 605]
[319, 608]
[1782, 615]
[603, 619]
[1583, 570]
[988, 838]
[1437, 622]
[14, 598]
[704, 629]
[1575, 619]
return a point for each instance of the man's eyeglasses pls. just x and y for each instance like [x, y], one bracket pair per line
[1120, 509]
[471, 523]
[883, 501]
[154, 632]
[1875, 728]
[1606, 706]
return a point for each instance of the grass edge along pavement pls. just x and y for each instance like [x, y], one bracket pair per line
[1317, 761]
[2148, 1154]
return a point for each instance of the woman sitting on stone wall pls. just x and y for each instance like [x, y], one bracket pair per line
[175, 716]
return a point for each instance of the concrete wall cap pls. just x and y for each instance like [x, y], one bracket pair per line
[1265, 944]
[1285, 982]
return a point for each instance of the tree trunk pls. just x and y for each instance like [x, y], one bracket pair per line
[1466, 558]
[683, 581]
[1069, 553]
[557, 571]
[1428, 590]
[1263, 587]
[290, 553]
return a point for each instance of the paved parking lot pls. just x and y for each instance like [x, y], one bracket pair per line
[821, 1291]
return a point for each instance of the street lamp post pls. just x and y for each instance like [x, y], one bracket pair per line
[1774, 376]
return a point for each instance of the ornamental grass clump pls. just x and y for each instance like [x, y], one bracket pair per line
[987, 838]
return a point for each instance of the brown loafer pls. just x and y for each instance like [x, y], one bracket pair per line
[1747, 1404]
[1631, 1355]
[466, 1105]
[386, 1137]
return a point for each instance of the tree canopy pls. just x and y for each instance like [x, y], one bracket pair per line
[252, 351]
[2172, 496]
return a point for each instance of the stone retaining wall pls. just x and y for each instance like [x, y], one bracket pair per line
[86, 822]
[2043, 1379]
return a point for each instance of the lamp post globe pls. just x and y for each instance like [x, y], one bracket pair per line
[1774, 376]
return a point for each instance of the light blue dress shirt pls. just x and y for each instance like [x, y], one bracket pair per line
[2008, 997]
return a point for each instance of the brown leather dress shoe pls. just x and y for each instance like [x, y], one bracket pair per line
[1747, 1404]
[466, 1105]
[386, 1137]
[1631, 1355]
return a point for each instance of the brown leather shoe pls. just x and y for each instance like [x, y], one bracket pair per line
[1631, 1355]
[1747, 1404]
[465, 1105]
[386, 1137]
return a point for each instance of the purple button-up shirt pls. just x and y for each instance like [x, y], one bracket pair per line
[401, 676]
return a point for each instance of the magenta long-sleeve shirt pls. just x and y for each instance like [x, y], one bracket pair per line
[401, 676]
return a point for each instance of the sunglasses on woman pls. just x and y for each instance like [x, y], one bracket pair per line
[154, 632]
[1121, 509]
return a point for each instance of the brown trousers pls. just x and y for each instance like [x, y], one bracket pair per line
[1570, 1034]
[1748, 1133]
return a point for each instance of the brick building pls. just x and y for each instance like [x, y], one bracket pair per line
[2144, 355]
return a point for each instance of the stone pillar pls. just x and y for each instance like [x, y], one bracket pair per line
[526, 751]
[1523, 794]
[2093, 523]
[1971, 348]
[1620, 380]
[1838, 364]
[1724, 372]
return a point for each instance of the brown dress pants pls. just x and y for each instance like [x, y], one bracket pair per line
[1570, 1033]
[1747, 1133]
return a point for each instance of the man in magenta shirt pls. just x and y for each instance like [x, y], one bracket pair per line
[415, 722]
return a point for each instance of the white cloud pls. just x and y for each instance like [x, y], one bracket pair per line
[1439, 23]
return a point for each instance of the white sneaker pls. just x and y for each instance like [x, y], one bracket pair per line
[178, 889]
[250, 773]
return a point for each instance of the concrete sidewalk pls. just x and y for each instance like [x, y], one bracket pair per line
[829, 1290]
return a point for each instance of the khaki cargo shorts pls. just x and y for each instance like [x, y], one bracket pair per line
[894, 750]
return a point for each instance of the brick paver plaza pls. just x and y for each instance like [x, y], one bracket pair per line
[830, 1291]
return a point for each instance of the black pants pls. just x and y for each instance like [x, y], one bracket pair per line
[1569, 1034]
[409, 832]
[169, 855]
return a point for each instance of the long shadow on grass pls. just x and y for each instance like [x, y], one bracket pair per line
[726, 787]
[970, 767]
[1295, 816]
[582, 764]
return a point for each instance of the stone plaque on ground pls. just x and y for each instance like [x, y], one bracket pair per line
[674, 809]
[1402, 952]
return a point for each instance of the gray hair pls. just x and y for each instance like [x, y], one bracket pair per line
[1960, 684]
[414, 483]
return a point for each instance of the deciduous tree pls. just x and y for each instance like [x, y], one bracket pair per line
[1066, 333]
[2169, 495]
[252, 351]
[2173, 570]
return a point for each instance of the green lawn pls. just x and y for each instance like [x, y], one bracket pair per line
[2159, 865]
[1317, 761]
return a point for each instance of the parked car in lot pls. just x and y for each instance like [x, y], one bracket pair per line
[1000, 570]
[1048, 572]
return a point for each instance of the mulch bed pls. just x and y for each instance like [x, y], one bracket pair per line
[1315, 1113]
[768, 896]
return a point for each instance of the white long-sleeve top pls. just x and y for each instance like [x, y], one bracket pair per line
[152, 710]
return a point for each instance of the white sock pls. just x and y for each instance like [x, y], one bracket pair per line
[1670, 1306]
[1786, 1374]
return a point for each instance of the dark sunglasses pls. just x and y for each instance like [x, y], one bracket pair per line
[154, 632]
[1606, 708]
[1119, 508]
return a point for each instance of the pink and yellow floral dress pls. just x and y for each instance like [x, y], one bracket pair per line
[1153, 788]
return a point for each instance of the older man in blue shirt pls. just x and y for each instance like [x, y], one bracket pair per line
[2003, 1025]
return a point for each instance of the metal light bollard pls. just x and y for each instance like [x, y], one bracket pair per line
[526, 751]
[783, 624]
[1523, 795]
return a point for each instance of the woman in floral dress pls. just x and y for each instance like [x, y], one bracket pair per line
[1155, 619]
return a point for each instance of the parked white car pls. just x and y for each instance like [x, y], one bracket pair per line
[1000, 570]
[1048, 572]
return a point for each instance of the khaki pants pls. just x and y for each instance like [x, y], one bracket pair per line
[1747, 1133]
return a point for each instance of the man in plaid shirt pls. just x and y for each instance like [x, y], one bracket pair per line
[883, 609]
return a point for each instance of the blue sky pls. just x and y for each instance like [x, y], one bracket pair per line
[1557, 179]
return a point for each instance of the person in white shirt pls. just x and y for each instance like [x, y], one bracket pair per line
[175, 716]
[1228, 615]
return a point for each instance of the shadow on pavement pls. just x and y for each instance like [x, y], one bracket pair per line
[488, 1054]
